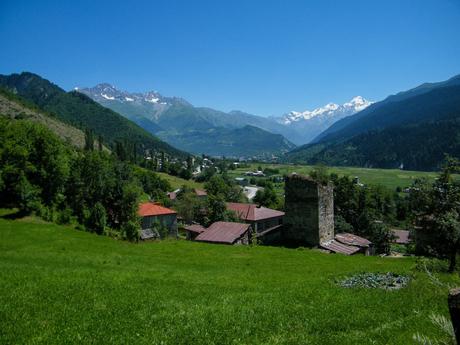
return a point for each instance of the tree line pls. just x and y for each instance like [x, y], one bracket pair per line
[94, 188]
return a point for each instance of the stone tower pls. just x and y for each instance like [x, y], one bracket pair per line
[309, 205]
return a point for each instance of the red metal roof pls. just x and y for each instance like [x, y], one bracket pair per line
[147, 209]
[337, 247]
[352, 240]
[402, 236]
[252, 212]
[196, 228]
[223, 232]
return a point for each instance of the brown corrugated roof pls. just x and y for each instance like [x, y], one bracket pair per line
[196, 228]
[250, 212]
[223, 232]
[337, 247]
[352, 240]
[402, 236]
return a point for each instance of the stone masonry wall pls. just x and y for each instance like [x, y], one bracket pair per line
[326, 212]
[309, 208]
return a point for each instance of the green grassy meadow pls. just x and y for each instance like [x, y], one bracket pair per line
[177, 182]
[63, 286]
[390, 178]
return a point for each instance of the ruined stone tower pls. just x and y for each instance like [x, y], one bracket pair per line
[309, 205]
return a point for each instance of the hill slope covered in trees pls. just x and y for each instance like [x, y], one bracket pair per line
[413, 133]
[82, 112]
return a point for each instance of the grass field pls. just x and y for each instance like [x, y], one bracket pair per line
[177, 182]
[390, 178]
[62, 286]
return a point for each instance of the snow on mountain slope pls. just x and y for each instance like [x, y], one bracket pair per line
[330, 111]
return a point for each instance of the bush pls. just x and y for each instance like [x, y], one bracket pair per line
[130, 230]
[97, 219]
[64, 216]
[423, 264]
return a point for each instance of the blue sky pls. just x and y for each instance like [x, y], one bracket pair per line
[264, 57]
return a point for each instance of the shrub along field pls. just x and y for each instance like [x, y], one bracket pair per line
[59, 285]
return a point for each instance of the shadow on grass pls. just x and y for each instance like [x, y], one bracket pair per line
[12, 214]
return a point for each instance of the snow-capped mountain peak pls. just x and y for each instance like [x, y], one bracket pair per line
[331, 112]
[105, 92]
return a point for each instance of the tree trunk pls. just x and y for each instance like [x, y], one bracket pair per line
[454, 310]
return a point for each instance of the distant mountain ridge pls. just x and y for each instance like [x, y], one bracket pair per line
[194, 129]
[309, 124]
[411, 130]
[330, 110]
[339, 128]
[177, 121]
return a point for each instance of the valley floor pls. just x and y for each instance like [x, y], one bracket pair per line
[59, 285]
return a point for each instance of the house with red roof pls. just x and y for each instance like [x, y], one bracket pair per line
[226, 233]
[155, 218]
[266, 222]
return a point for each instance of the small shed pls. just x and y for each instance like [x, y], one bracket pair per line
[348, 244]
[226, 233]
[365, 246]
[338, 247]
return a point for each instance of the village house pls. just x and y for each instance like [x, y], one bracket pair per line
[154, 216]
[266, 222]
[226, 233]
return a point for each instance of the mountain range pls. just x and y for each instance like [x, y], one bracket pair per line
[411, 130]
[205, 130]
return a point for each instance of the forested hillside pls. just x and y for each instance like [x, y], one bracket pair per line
[82, 112]
[414, 133]
[40, 173]
[14, 107]
[340, 128]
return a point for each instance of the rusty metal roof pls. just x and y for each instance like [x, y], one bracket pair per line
[223, 232]
[402, 236]
[252, 212]
[196, 228]
[337, 247]
[352, 240]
